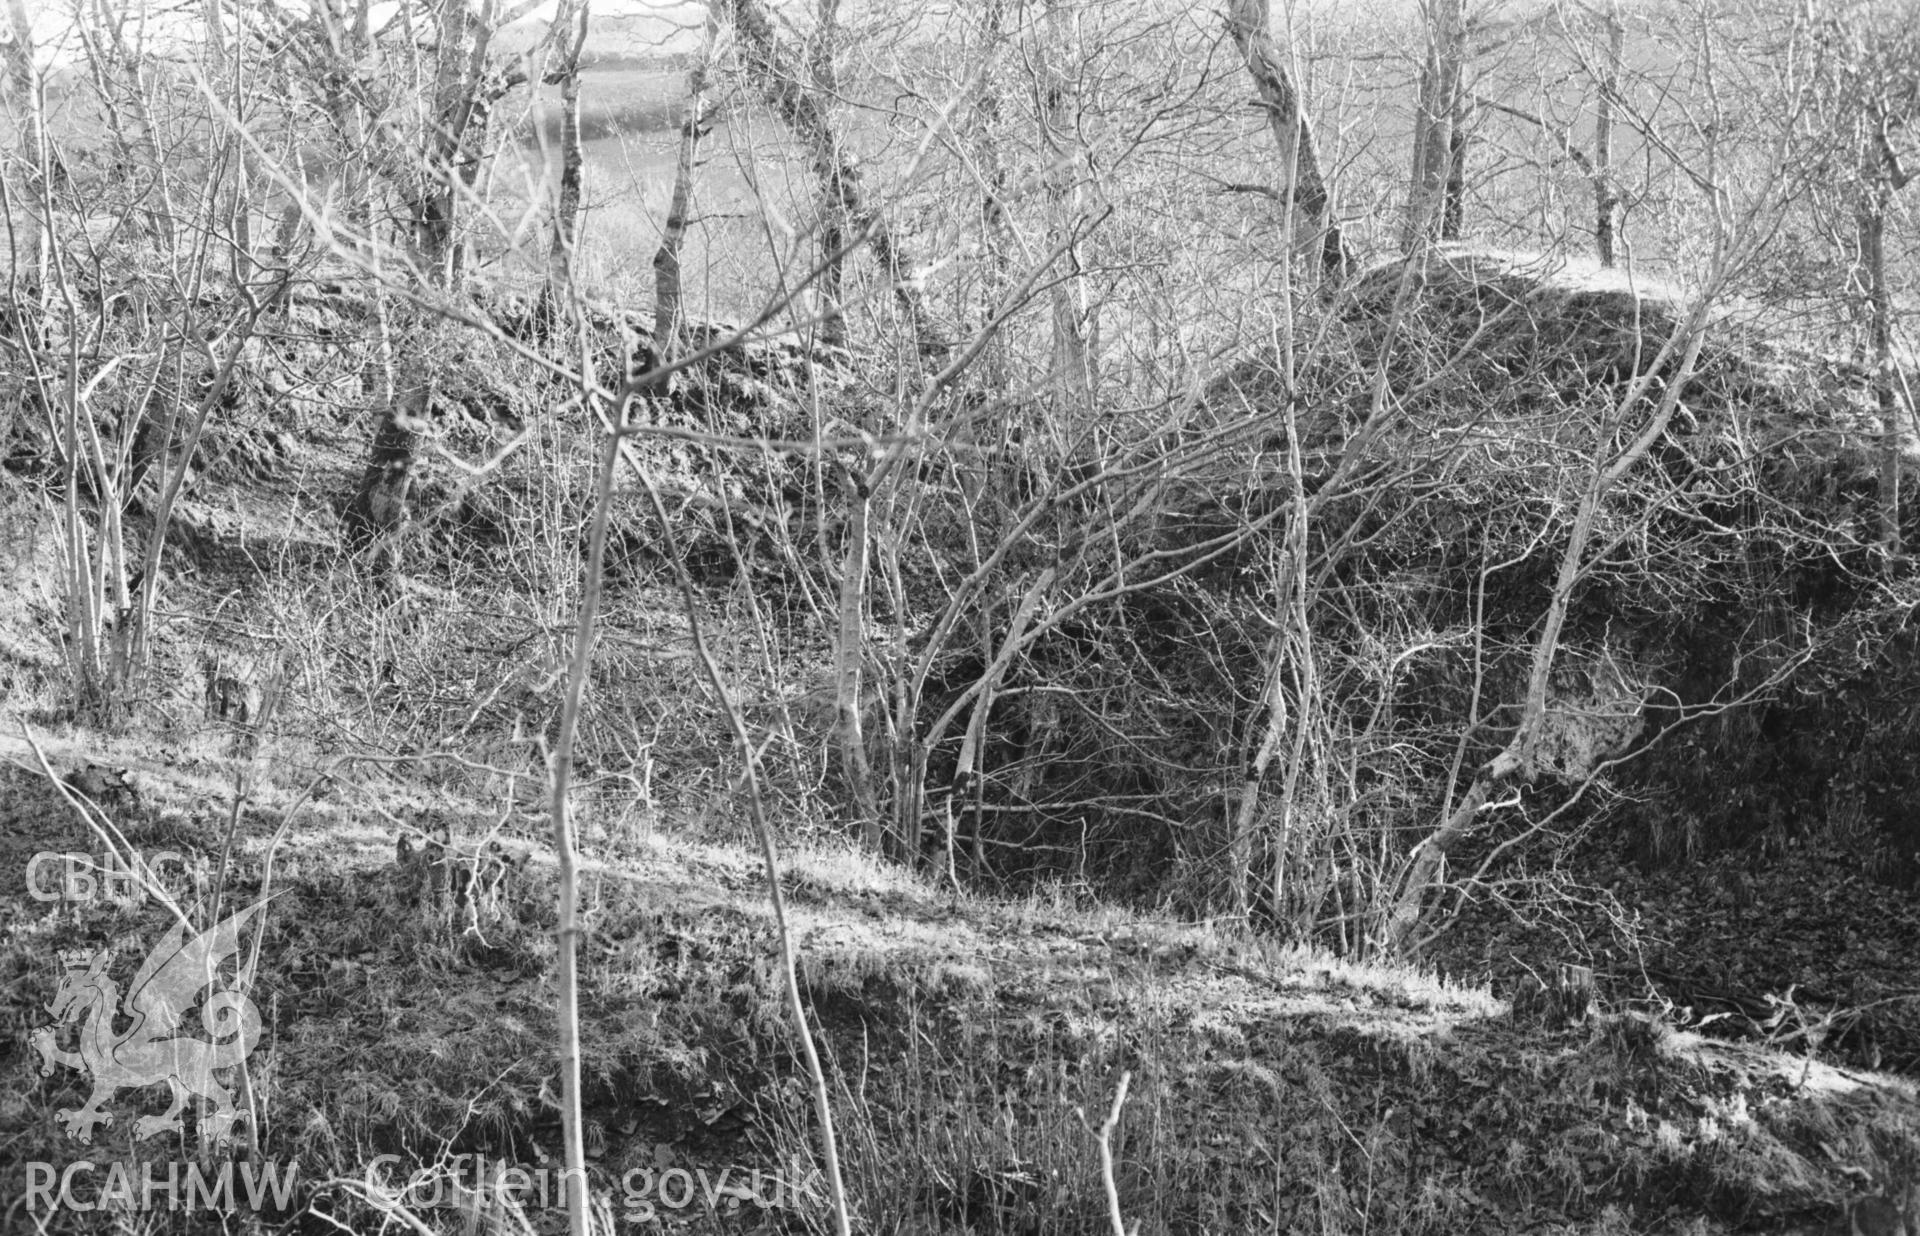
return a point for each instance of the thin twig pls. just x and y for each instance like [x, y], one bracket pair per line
[1105, 1136]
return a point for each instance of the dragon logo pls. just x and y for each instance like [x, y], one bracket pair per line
[145, 1054]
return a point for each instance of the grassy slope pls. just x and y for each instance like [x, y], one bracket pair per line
[1269, 1088]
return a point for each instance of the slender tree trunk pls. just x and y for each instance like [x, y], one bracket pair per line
[379, 515]
[997, 238]
[220, 65]
[1073, 376]
[1606, 196]
[1881, 176]
[24, 82]
[1873, 255]
[1439, 105]
[835, 214]
[668, 293]
[1244, 808]
[805, 113]
[23, 76]
[452, 152]
[1306, 184]
[1454, 216]
[379, 502]
[1290, 648]
[566, 207]
[1518, 760]
[850, 653]
[832, 282]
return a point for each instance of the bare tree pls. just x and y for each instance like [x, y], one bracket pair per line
[1621, 446]
[668, 292]
[1453, 211]
[451, 131]
[139, 323]
[1891, 89]
[1067, 192]
[28, 91]
[1437, 116]
[1306, 187]
[1606, 192]
[803, 109]
[1869, 101]
[1882, 174]
[570, 24]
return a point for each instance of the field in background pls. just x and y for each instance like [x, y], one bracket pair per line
[1176, 248]
[630, 125]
